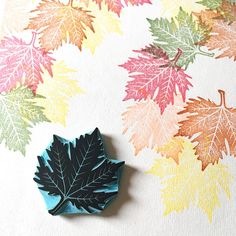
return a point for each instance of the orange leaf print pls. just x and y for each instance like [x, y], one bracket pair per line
[58, 23]
[148, 128]
[228, 11]
[210, 125]
[207, 17]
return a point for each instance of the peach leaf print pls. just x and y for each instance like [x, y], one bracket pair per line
[156, 76]
[57, 23]
[147, 127]
[210, 126]
[22, 63]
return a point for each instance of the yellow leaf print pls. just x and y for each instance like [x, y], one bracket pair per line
[57, 91]
[171, 7]
[105, 22]
[186, 185]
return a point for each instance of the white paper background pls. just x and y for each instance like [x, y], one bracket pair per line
[138, 210]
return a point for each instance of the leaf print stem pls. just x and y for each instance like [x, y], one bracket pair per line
[222, 98]
[176, 58]
[208, 54]
[54, 210]
[32, 42]
[70, 3]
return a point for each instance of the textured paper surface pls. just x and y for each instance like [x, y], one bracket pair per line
[96, 101]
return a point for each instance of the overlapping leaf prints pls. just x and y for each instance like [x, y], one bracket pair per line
[194, 134]
[31, 73]
[74, 22]
[185, 184]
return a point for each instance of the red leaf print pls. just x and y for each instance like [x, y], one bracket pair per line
[22, 62]
[155, 76]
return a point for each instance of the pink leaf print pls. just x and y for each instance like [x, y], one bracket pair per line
[22, 62]
[117, 6]
[155, 76]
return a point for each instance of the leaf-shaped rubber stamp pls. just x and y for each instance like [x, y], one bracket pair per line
[156, 76]
[22, 62]
[76, 176]
[56, 22]
[211, 126]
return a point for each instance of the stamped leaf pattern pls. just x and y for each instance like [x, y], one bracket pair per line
[57, 92]
[156, 76]
[56, 22]
[182, 33]
[148, 128]
[18, 113]
[223, 35]
[186, 185]
[22, 63]
[213, 124]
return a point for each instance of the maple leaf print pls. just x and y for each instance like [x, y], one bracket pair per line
[213, 124]
[116, 6]
[105, 22]
[185, 185]
[56, 22]
[184, 33]
[155, 76]
[57, 93]
[22, 62]
[18, 113]
[147, 127]
[223, 38]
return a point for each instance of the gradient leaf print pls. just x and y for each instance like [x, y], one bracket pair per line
[147, 127]
[18, 112]
[185, 185]
[105, 22]
[22, 62]
[223, 35]
[153, 71]
[117, 5]
[184, 33]
[56, 22]
[213, 124]
[57, 92]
